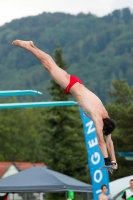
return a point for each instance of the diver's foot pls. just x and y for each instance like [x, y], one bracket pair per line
[23, 44]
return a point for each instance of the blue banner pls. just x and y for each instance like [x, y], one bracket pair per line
[95, 157]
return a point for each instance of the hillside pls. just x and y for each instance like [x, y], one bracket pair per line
[97, 50]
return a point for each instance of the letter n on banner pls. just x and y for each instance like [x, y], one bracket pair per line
[95, 158]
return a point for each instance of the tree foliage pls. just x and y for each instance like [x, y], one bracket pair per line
[98, 50]
[121, 110]
[21, 134]
[122, 93]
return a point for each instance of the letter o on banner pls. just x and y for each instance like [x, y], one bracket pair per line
[98, 176]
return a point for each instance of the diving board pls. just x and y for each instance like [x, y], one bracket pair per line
[37, 104]
[126, 155]
[18, 92]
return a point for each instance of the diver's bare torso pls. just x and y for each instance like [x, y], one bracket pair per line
[88, 101]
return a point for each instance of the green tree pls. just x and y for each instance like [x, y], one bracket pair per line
[126, 15]
[20, 134]
[97, 48]
[121, 93]
[121, 110]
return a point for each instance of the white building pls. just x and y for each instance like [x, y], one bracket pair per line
[10, 168]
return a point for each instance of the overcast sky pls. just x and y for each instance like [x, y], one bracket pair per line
[14, 9]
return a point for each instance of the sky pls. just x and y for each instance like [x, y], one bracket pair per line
[15, 9]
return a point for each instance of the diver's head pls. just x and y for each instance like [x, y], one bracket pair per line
[109, 126]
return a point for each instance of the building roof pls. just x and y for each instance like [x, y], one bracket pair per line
[25, 165]
[4, 166]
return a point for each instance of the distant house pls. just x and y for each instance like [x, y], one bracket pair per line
[10, 168]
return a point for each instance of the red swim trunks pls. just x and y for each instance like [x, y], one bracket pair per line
[73, 80]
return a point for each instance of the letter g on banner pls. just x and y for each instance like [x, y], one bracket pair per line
[95, 158]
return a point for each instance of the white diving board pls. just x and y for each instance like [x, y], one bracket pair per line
[37, 104]
[18, 92]
[126, 155]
